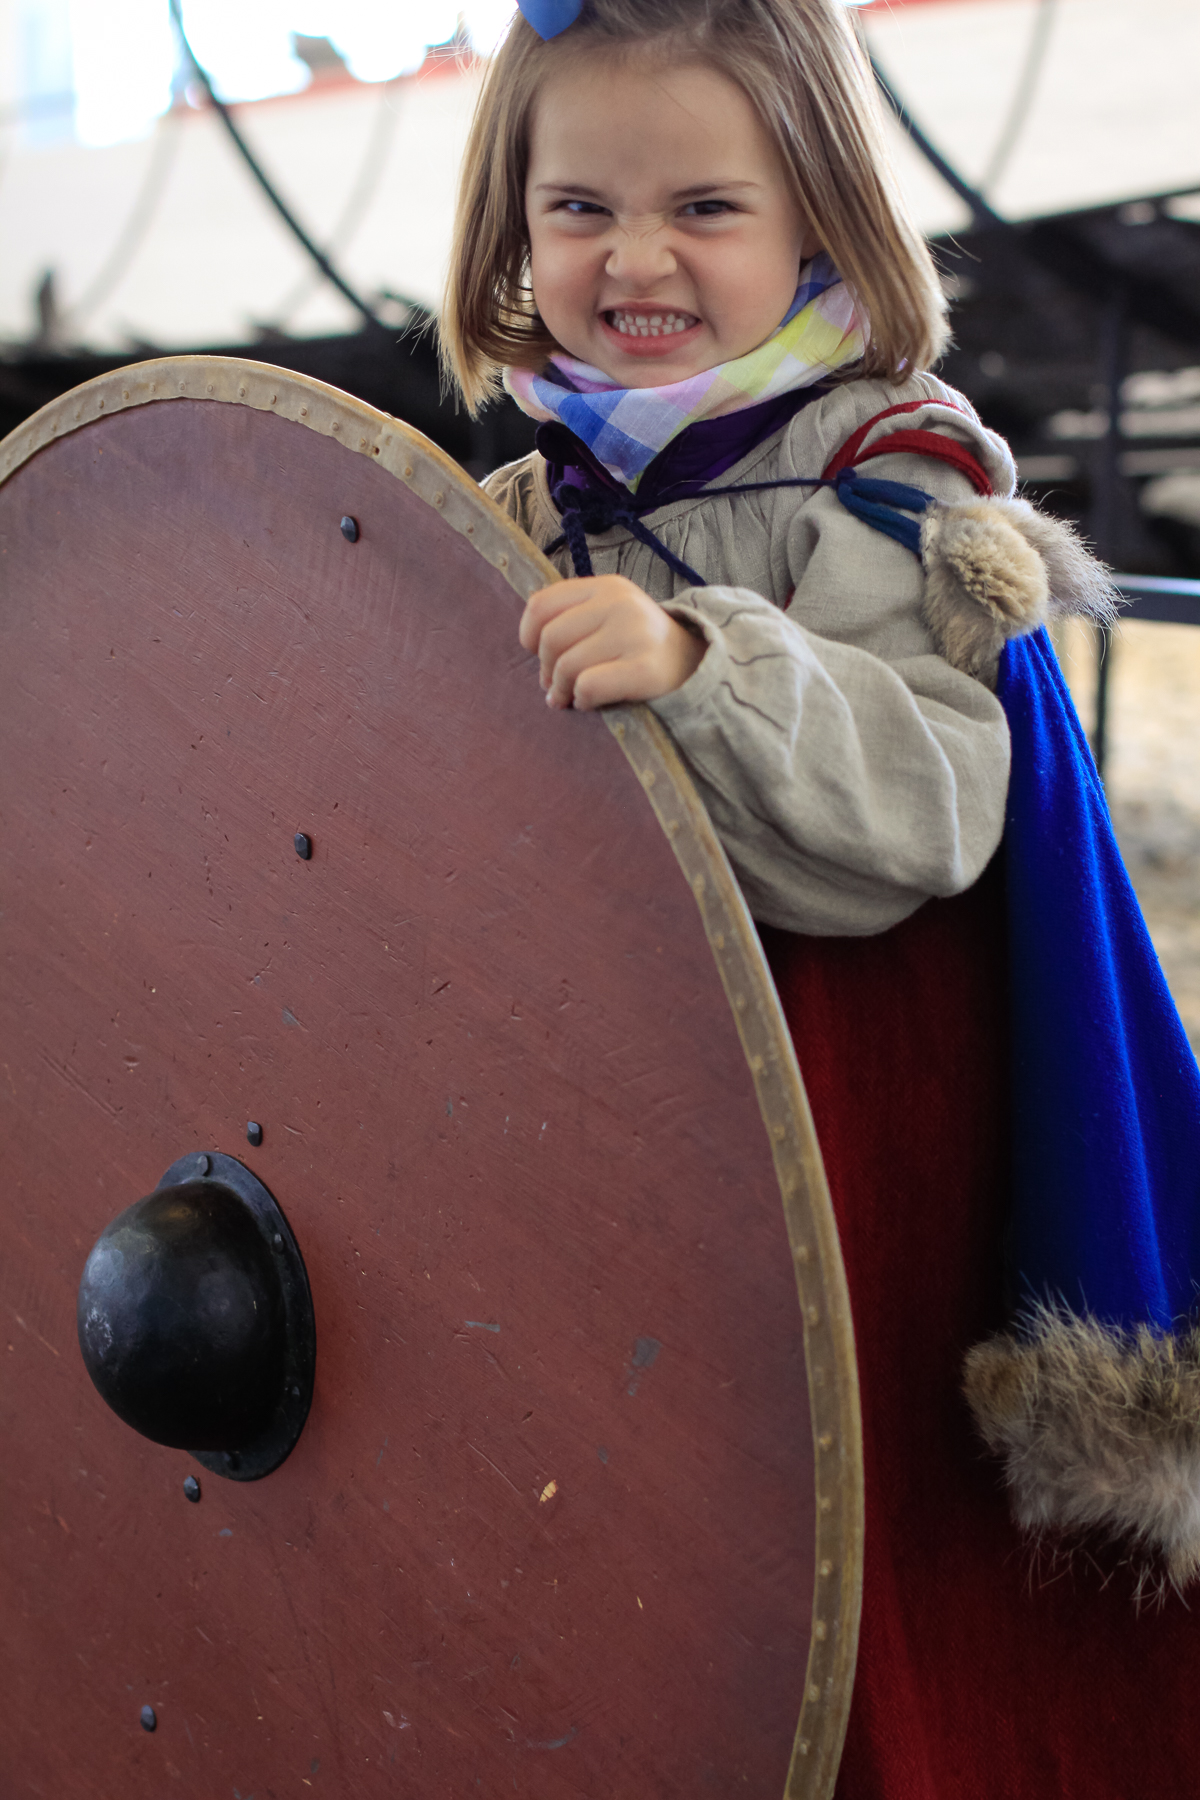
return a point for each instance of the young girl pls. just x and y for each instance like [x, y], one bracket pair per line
[680, 246]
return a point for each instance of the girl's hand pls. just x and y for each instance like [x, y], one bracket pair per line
[601, 640]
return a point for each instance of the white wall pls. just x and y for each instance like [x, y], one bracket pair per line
[215, 260]
[1116, 114]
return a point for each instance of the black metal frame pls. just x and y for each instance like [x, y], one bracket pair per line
[1166, 600]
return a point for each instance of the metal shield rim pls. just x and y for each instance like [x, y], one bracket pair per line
[804, 1192]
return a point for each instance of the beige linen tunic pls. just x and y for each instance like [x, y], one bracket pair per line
[850, 771]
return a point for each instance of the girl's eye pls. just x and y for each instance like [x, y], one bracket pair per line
[707, 209]
[580, 208]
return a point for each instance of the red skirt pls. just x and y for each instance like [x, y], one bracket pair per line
[986, 1670]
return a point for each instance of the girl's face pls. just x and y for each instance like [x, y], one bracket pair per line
[664, 236]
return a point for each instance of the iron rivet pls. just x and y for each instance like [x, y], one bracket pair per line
[232, 1459]
[191, 1489]
[303, 845]
[254, 1133]
[149, 1719]
[295, 1393]
[279, 1240]
[349, 529]
[202, 1165]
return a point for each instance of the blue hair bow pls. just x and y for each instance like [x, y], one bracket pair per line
[550, 17]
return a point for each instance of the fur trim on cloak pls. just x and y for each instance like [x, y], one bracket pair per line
[1099, 1431]
[996, 569]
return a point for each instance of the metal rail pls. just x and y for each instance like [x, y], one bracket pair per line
[1166, 598]
[1163, 599]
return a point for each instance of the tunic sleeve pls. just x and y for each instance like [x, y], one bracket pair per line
[850, 771]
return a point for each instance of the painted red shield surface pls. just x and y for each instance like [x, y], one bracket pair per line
[576, 1510]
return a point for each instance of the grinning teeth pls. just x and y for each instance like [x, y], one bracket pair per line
[633, 324]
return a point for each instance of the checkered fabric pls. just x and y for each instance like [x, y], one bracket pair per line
[625, 428]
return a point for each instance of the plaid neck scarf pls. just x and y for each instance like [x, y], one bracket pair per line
[626, 428]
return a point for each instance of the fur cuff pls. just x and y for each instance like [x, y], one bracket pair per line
[1099, 1431]
[996, 569]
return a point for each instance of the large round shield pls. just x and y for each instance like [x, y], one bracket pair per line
[303, 883]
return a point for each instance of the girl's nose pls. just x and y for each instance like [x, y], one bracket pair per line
[640, 256]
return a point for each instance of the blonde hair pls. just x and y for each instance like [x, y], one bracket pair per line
[800, 65]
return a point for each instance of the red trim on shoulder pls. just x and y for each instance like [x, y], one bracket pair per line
[916, 443]
[843, 458]
[932, 443]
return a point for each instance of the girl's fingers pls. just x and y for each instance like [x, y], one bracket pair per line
[629, 621]
[549, 603]
[562, 633]
[605, 623]
[609, 683]
[634, 667]
[559, 676]
[597, 672]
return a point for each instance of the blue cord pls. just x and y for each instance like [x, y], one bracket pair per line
[883, 505]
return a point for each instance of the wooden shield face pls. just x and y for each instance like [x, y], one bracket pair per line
[562, 1521]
